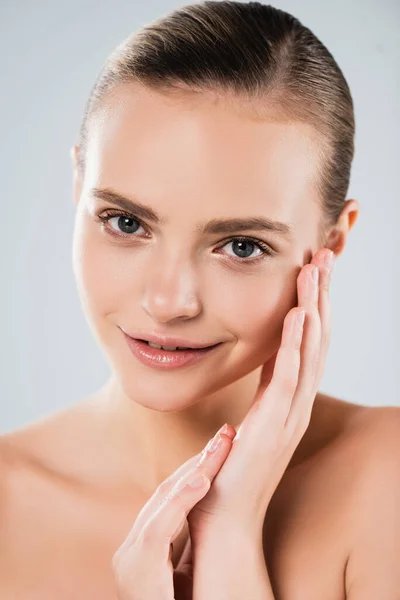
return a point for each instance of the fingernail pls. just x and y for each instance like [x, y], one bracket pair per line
[214, 443]
[224, 428]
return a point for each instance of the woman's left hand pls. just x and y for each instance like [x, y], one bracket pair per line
[237, 501]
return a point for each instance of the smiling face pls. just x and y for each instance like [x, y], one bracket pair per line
[191, 162]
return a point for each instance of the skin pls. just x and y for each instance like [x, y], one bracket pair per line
[92, 467]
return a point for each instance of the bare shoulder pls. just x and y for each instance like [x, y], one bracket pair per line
[365, 440]
[338, 506]
[371, 439]
[47, 445]
[377, 430]
[366, 464]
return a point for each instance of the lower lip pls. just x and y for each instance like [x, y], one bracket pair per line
[166, 359]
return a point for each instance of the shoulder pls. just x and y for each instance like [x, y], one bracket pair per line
[371, 448]
[6, 468]
[372, 441]
[43, 446]
[363, 443]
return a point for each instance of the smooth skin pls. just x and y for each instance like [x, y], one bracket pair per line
[318, 510]
[143, 564]
[260, 452]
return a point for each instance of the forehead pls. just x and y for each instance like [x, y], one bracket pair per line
[199, 147]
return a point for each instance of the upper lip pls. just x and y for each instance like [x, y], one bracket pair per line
[172, 342]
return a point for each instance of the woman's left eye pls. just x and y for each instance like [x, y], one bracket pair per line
[245, 247]
[128, 224]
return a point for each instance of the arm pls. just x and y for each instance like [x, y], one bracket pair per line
[241, 574]
[373, 568]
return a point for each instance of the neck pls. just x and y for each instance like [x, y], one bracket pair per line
[150, 445]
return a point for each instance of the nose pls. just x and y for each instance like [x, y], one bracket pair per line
[170, 292]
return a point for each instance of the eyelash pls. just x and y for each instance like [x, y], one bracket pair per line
[265, 248]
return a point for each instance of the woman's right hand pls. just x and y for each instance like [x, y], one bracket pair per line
[142, 565]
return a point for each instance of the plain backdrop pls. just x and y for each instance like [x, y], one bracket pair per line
[51, 52]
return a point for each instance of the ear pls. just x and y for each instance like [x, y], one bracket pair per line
[77, 183]
[336, 240]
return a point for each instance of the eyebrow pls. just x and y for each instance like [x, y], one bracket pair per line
[210, 227]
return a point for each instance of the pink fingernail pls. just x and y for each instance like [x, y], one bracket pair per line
[214, 444]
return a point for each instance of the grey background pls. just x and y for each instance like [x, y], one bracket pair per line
[51, 53]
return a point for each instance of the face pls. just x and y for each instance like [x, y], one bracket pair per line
[191, 161]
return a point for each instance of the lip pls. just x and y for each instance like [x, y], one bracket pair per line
[166, 359]
[173, 342]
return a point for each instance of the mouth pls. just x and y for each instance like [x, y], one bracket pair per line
[176, 348]
[167, 357]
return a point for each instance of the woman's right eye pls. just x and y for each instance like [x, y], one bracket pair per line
[125, 224]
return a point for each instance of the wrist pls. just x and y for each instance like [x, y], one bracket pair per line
[231, 567]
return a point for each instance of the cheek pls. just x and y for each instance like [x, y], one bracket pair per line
[254, 308]
[97, 270]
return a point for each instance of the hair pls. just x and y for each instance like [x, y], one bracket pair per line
[248, 51]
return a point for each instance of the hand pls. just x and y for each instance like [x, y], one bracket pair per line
[237, 501]
[142, 565]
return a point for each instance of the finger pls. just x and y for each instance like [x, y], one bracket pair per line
[167, 521]
[325, 265]
[166, 486]
[266, 375]
[140, 562]
[312, 350]
[206, 469]
[275, 403]
[216, 452]
[308, 295]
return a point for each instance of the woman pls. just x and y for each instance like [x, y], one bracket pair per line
[220, 128]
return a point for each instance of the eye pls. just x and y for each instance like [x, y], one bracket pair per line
[245, 246]
[125, 224]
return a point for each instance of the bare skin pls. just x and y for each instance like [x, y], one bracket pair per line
[53, 514]
[72, 484]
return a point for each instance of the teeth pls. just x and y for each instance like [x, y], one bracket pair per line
[166, 347]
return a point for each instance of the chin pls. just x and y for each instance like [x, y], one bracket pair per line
[159, 397]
